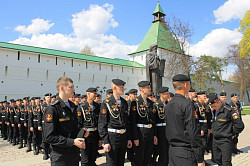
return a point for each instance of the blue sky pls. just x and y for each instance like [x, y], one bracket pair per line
[114, 28]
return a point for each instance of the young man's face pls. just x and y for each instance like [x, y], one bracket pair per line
[223, 99]
[234, 99]
[84, 99]
[108, 95]
[165, 95]
[120, 89]
[146, 89]
[217, 105]
[47, 99]
[132, 96]
[202, 97]
[92, 95]
[192, 94]
[68, 90]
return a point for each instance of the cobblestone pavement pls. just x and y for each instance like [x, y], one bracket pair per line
[11, 156]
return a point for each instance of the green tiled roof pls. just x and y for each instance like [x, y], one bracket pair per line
[70, 55]
[158, 9]
[159, 34]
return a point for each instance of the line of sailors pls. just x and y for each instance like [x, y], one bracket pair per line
[135, 125]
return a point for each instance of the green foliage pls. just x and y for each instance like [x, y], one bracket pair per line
[87, 51]
[245, 30]
[207, 68]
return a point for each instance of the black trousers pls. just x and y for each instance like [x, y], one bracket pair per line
[37, 135]
[15, 131]
[23, 131]
[10, 132]
[116, 156]
[181, 156]
[234, 144]
[59, 159]
[4, 130]
[144, 150]
[222, 151]
[89, 153]
[162, 147]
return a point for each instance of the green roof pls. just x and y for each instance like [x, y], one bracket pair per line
[158, 9]
[72, 55]
[159, 34]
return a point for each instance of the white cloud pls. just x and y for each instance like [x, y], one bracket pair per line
[89, 28]
[35, 28]
[96, 20]
[232, 9]
[215, 43]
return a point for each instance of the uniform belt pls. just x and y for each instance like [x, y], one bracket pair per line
[145, 125]
[91, 129]
[35, 120]
[119, 131]
[15, 116]
[21, 119]
[203, 121]
[161, 124]
[42, 121]
[3, 116]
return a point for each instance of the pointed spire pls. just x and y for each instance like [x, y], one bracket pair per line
[158, 9]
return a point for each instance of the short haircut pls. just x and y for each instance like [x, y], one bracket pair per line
[63, 81]
[178, 85]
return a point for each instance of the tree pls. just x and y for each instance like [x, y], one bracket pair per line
[245, 30]
[87, 51]
[242, 75]
[208, 68]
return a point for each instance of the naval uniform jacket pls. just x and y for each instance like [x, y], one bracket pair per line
[202, 115]
[183, 126]
[88, 118]
[141, 113]
[13, 115]
[227, 123]
[34, 112]
[236, 107]
[60, 127]
[113, 116]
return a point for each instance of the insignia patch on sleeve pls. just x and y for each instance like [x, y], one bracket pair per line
[235, 116]
[30, 111]
[48, 117]
[134, 108]
[154, 110]
[195, 114]
[103, 111]
[79, 113]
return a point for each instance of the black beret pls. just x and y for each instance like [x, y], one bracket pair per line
[77, 95]
[223, 94]
[109, 91]
[118, 82]
[233, 94]
[91, 90]
[163, 89]
[19, 100]
[192, 90]
[26, 98]
[143, 83]
[48, 94]
[5, 101]
[32, 98]
[54, 96]
[171, 94]
[181, 77]
[83, 96]
[211, 94]
[212, 99]
[38, 98]
[126, 94]
[12, 100]
[201, 93]
[131, 91]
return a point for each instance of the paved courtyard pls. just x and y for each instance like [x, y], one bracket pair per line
[11, 156]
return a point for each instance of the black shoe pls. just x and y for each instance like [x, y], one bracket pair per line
[29, 148]
[239, 151]
[45, 157]
[4, 138]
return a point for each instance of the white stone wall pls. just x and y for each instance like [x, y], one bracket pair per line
[29, 77]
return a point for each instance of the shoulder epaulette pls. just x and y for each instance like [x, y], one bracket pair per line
[137, 99]
[157, 103]
[55, 102]
[107, 100]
